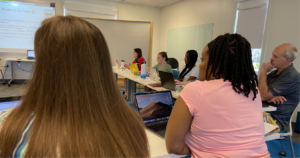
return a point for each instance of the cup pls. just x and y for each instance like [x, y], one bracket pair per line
[122, 63]
[178, 88]
[127, 71]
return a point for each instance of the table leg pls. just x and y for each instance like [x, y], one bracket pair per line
[12, 73]
[116, 76]
[131, 90]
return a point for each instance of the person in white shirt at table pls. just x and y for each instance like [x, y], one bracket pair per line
[190, 71]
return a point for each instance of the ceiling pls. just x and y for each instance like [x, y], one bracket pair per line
[149, 3]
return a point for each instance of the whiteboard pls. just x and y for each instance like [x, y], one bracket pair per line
[123, 36]
[180, 40]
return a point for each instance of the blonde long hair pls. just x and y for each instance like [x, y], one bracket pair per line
[74, 97]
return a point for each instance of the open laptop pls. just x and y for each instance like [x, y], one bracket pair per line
[9, 102]
[155, 109]
[30, 54]
[167, 80]
[134, 69]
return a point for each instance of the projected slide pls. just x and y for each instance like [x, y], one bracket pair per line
[19, 22]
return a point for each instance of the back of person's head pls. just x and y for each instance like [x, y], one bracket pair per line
[230, 58]
[77, 106]
[290, 51]
[139, 52]
[192, 57]
[164, 55]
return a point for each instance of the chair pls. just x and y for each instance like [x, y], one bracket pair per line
[173, 62]
[175, 73]
[289, 133]
[3, 81]
[2, 75]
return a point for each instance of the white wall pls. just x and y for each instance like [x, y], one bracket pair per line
[135, 12]
[197, 12]
[282, 26]
[186, 13]
[125, 12]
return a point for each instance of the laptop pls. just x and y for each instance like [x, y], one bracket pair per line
[30, 54]
[134, 69]
[167, 80]
[155, 109]
[9, 102]
[153, 75]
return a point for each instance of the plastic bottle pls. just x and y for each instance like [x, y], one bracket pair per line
[143, 69]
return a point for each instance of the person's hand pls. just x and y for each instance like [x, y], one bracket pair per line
[267, 67]
[177, 82]
[127, 66]
[147, 72]
[277, 100]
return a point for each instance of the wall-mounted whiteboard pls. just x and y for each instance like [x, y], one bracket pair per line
[123, 36]
[180, 40]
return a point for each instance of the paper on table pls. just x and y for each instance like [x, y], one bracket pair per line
[269, 128]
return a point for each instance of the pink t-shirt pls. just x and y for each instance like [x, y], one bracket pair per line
[225, 123]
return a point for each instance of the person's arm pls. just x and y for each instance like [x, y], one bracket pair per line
[177, 128]
[141, 59]
[194, 73]
[127, 66]
[262, 82]
[181, 83]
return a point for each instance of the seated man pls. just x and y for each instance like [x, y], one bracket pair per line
[282, 86]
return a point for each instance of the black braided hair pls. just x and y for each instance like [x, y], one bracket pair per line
[231, 59]
[192, 56]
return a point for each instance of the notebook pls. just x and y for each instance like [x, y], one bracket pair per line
[269, 128]
[158, 84]
[155, 109]
[167, 80]
[30, 54]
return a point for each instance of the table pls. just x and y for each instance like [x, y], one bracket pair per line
[156, 143]
[269, 108]
[132, 79]
[11, 60]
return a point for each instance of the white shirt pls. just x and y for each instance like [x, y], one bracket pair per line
[194, 72]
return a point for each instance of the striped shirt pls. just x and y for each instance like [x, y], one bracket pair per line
[22, 143]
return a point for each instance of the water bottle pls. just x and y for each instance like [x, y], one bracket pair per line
[143, 69]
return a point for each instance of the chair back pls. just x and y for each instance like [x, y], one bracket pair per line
[175, 73]
[290, 132]
[173, 63]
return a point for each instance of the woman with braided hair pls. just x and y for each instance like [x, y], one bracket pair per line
[190, 70]
[220, 115]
